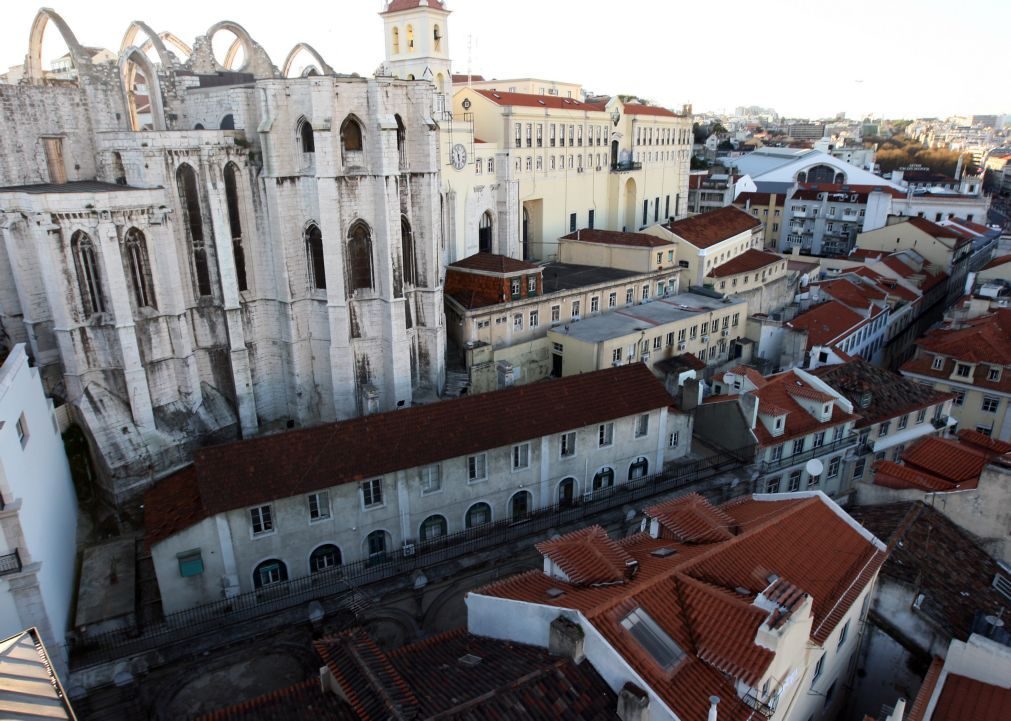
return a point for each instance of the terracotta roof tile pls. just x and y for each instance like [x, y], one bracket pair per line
[708, 229]
[852, 294]
[396, 6]
[918, 709]
[984, 443]
[948, 459]
[758, 200]
[637, 109]
[964, 698]
[891, 394]
[702, 595]
[940, 232]
[289, 464]
[748, 261]
[986, 339]
[588, 556]
[752, 374]
[616, 237]
[554, 102]
[691, 519]
[493, 263]
[892, 475]
[304, 701]
[997, 262]
[827, 323]
[778, 396]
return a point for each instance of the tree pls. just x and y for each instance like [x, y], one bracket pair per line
[717, 128]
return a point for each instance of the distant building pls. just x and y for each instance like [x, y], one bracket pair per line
[805, 131]
[767, 207]
[711, 191]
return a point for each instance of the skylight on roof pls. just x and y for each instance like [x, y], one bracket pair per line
[652, 638]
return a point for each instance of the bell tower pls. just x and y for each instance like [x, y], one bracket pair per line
[417, 44]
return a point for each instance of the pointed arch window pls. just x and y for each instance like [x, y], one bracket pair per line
[314, 255]
[139, 268]
[401, 141]
[351, 136]
[235, 224]
[186, 180]
[407, 249]
[359, 257]
[88, 278]
[305, 136]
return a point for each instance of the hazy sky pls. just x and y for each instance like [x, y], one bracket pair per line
[912, 58]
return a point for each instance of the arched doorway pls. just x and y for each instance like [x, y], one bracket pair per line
[433, 527]
[604, 478]
[520, 505]
[567, 493]
[325, 557]
[270, 572]
[639, 469]
[377, 544]
[478, 515]
[630, 205]
[484, 232]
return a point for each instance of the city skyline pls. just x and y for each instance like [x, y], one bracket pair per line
[720, 74]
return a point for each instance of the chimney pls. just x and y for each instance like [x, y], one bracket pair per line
[565, 638]
[633, 703]
[713, 701]
[898, 712]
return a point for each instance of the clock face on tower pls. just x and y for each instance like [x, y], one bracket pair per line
[458, 156]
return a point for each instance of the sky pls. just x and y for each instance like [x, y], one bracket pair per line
[804, 58]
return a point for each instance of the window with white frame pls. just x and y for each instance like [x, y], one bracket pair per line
[556, 313]
[858, 468]
[819, 439]
[534, 319]
[521, 456]
[477, 467]
[794, 481]
[903, 422]
[798, 446]
[532, 283]
[776, 453]
[605, 433]
[657, 342]
[567, 444]
[843, 634]
[962, 370]
[642, 425]
[431, 478]
[921, 415]
[518, 321]
[21, 426]
[818, 668]
[993, 374]
[372, 493]
[319, 506]
[833, 467]
[673, 439]
[990, 404]
[938, 363]
[594, 304]
[575, 310]
[883, 428]
[261, 519]
[629, 296]
[612, 300]
[959, 398]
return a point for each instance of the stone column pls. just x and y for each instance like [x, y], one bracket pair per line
[18, 264]
[118, 293]
[238, 356]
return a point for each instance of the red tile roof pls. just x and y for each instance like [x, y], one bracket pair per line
[304, 701]
[997, 262]
[554, 102]
[839, 188]
[851, 294]
[777, 397]
[964, 699]
[588, 556]
[984, 443]
[939, 232]
[493, 263]
[263, 469]
[892, 475]
[637, 109]
[708, 229]
[866, 254]
[986, 339]
[759, 200]
[617, 237]
[827, 323]
[752, 374]
[397, 6]
[703, 595]
[955, 462]
[464, 78]
[458, 675]
[891, 395]
[691, 519]
[746, 262]
[918, 709]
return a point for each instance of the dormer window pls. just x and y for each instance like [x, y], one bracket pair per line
[653, 639]
[779, 423]
[993, 374]
[962, 370]
[938, 363]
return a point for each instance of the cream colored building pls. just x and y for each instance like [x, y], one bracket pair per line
[707, 241]
[687, 323]
[639, 252]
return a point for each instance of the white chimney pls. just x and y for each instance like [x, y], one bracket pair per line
[714, 701]
[898, 712]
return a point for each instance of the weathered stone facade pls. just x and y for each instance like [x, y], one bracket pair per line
[188, 283]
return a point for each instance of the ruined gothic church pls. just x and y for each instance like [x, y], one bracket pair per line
[200, 250]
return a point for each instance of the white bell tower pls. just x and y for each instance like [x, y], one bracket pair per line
[417, 44]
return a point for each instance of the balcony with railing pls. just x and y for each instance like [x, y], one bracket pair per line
[816, 452]
[767, 708]
[625, 166]
[10, 563]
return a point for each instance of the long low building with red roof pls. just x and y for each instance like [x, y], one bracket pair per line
[255, 513]
[757, 602]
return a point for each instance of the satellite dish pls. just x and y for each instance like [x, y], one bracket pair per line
[814, 467]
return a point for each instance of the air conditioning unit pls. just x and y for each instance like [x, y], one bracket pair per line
[682, 346]
[408, 549]
[705, 339]
[725, 332]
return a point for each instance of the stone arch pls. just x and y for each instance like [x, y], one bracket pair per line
[153, 41]
[324, 557]
[127, 76]
[269, 572]
[33, 63]
[174, 40]
[352, 135]
[486, 232]
[324, 69]
[243, 41]
[361, 274]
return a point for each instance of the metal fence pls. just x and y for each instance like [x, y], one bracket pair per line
[10, 563]
[340, 585]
